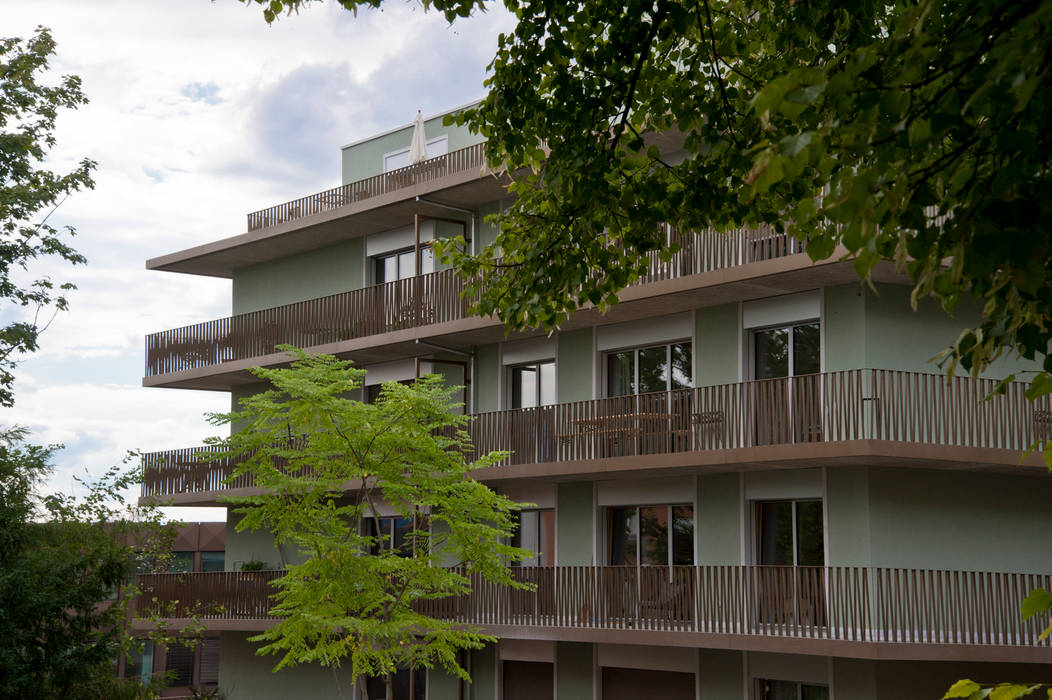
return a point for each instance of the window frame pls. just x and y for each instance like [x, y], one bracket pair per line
[635, 350]
[751, 358]
[757, 528]
[670, 548]
[510, 371]
[427, 259]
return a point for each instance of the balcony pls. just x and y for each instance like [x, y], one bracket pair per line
[862, 416]
[433, 300]
[470, 159]
[863, 612]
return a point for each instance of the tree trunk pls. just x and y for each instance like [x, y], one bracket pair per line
[365, 688]
[390, 686]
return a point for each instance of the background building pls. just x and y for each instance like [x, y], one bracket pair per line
[750, 483]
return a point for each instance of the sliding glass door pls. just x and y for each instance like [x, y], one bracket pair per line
[787, 393]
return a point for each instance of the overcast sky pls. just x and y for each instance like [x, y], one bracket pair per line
[200, 113]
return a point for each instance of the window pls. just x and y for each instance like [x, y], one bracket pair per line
[790, 533]
[394, 535]
[401, 264]
[789, 399]
[645, 370]
[437, 146]
[372, 391]
[139, 664]
[536, 532]
[213, 561]
[788, 351]
[533, 385]
[406, 686]
[181, 563]
[651, 535]
[789, 690]
[179, 662]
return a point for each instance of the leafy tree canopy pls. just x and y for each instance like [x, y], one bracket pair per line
[924, 123]
[29, 192]
[65, 570]
[328, 466]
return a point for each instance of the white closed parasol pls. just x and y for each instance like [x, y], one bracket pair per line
[418, 146]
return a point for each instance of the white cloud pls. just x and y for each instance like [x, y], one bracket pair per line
[200, 113]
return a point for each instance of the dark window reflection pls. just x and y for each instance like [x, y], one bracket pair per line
[644, 535]
[621, 373]
[772, 353]
[783, 544]
[806, 349]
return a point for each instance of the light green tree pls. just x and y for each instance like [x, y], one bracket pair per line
[327, 466]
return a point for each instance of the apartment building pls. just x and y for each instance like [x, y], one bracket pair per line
[750, 483]
[197, 548]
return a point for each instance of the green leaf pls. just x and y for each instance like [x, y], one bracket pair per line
[1039, 601]
[962, 689]
[1041, 385]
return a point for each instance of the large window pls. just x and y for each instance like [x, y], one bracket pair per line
[401, 264]
[788, 351]
[651, 535]
[789, 690]
[533, 385]
[645, 370]
[790, 533]
[213, 561]
[536, 532]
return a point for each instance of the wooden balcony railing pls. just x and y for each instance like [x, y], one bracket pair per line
[423, 300]
[861, 404]
[834, 603]
[461, 160]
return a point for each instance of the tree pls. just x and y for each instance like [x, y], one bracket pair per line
[327, 466]
[29, 194]
[65, 570]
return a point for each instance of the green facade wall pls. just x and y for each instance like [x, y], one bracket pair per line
[717, 330]
[574, 506]
[487, 230]
[484, 677]
[575, 365]
[316, 273]
[366, 159]
[844, 310]
[254, 544]
[959, 520]
[720, 674]
[718, 520]
[847, 516]
[245, 676]
[442, 685]
[487, 378]
[878, 329]
[856, 679]
[574, 679]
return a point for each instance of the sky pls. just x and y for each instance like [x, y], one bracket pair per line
[200, 113]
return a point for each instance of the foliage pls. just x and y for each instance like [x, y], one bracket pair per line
[65, 564]
[1003, 691]
[327, 465]
[254, 565]
[28, 110]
